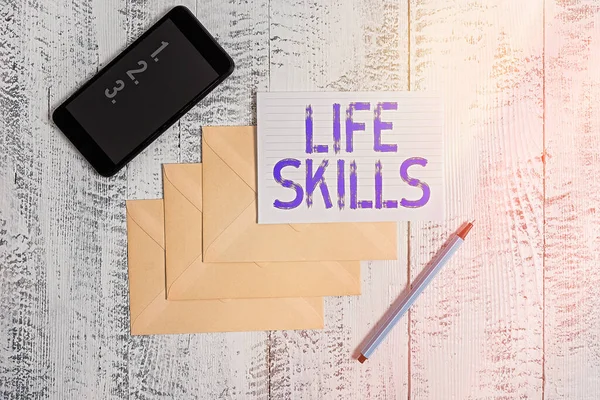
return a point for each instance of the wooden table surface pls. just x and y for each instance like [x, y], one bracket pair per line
[515, 315]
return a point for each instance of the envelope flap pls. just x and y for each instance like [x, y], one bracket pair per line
[145, 254]
[226, 194]
[300, 311]
[346, 271]
[313, 308]
[230, 315]
[267, 280]
[148, 214]
[245, 240]
[187, 179]
[183, 218]
[236, 145]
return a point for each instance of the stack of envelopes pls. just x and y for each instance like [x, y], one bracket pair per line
[199, 262]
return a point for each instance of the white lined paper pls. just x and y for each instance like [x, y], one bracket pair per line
[416, 130]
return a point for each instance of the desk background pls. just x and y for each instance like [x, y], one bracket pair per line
[515, 315]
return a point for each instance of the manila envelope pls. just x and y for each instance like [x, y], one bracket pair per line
[190, 278]
[231, 233]
[151, 313]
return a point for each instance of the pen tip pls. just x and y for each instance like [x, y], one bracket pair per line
[465, 230]
[362, 359]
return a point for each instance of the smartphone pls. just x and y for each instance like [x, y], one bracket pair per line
[143, 91]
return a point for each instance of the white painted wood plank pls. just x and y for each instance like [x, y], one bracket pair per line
[342, 45]
[572, 279]
[83, 223]
[477, 330]
[63, 293]
[232, 365]
[24, 334]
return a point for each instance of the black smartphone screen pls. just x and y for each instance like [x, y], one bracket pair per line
[143, 91]
[139, 94]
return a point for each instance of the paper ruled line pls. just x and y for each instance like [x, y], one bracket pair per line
[415, 127]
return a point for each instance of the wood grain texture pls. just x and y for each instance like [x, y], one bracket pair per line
[572, 284]
[24, 316]
[508, 317]
[83, 225]
[477, 331]
[342, 45]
